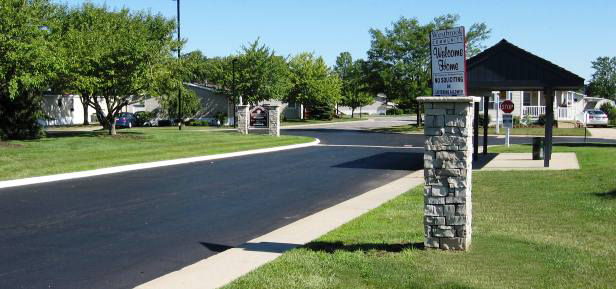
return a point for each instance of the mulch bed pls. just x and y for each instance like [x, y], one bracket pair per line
[4, 144]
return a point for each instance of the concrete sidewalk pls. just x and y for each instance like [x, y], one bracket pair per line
[608, 133]
[220, 269]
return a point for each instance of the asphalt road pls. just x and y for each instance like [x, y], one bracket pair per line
[120, 230]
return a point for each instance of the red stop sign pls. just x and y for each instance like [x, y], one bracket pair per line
[507, 106]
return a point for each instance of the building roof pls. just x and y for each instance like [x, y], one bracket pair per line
[505, 66]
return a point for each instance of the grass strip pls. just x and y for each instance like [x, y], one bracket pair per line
[77, 151]
[547, 229]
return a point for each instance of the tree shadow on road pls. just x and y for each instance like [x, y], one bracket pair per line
[406, 161]
[331, 247]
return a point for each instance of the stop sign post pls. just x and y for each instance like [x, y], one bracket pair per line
[507, 107]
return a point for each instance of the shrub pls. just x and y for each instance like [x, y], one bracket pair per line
[516, 120]
[19, 117]
[143, 117]
[322, 112]
[395, 111]
[541, 120]
[610, 110]
[197, 122]
[165, 122]
[481, 119]
[221, 117]
[527, 120]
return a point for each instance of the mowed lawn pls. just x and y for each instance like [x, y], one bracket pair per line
[70, 152]
[538, 131]
[532, 229]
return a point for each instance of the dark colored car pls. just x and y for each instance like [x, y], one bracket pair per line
[125, 119]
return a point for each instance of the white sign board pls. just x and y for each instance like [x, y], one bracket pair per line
[448, 54]
[507, 120]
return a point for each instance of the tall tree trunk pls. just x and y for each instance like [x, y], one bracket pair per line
[85, 100]
[352, 112]
[86, 120]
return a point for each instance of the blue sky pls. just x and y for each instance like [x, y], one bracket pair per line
[567, 32]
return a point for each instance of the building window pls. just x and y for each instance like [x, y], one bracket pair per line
[527, 98]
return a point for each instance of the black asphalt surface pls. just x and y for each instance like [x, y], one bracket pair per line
[121, 230]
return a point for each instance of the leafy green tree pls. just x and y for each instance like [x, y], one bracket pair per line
[603, 82]
[131, 62]
[313, 84]
[354, 89]
[85, 31]
[28, 63]
[172, 78]
[260, 74]
[399, 57]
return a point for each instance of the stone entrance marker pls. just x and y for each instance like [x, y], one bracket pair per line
[448, 171]
[242, 118]
[271, 121]
[274, 120]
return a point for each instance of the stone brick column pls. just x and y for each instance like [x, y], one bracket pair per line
[273, 112]
[243, 118]
[448, 171]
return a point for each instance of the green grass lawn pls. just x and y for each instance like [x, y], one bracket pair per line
[539, 131]
[76, 151]
[547, 229]
[491, 131]
[400, 129]
[290, 122]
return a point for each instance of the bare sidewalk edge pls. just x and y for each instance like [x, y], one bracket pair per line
[149, 165]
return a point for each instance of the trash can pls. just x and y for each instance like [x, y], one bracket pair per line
[537, 148]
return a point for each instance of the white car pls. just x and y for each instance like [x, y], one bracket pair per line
[595, 117]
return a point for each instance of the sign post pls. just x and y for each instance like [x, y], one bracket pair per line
[507, 107]
[448, 62]
[448, 145]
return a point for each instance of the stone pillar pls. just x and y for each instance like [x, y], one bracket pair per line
[242, 116]
[273, 114]
[448, 171]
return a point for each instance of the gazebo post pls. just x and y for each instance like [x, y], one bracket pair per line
[486, 122]
[549, 123]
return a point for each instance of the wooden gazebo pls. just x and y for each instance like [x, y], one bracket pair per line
[506, 67]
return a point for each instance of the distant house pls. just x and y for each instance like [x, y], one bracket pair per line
[568, 105]
[68, 109]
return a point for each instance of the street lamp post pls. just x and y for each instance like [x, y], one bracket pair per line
[233, 93]
[180, 62]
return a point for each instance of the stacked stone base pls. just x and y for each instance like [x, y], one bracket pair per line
[448, 172]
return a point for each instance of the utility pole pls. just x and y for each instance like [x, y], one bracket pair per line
[180, 62]
[233, 93]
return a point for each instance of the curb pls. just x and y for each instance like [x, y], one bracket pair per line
[222, 268]
[141, 166]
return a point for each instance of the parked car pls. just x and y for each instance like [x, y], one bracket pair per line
[125, 119]
[595, 117]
